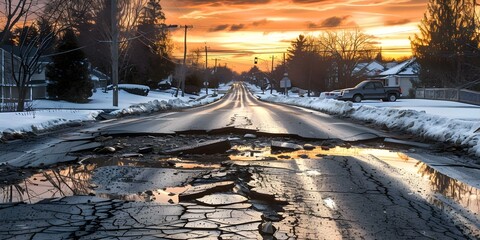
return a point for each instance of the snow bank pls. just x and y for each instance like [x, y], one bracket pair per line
[58, 115]
[456, 131]
[38, 121]
[156, 105]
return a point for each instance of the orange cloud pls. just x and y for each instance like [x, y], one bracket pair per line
[258, 26]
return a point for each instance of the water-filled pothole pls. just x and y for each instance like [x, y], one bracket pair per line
[440, 183]
[83, 179]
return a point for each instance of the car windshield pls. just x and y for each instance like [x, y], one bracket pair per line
[360, 85]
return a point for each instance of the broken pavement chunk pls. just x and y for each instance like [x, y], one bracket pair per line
[268, 228]
[250, 136]
[222, 199]
[207, 147]
[284, 146]
[408, 143]
[105, 150]
[144, 150]
[205, 189]
[308, 146]
[132, 155]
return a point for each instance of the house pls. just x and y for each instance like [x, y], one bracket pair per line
[99, 79]
[166, 83]
[403, 75]
[37, 86]
[9, 63]
[368, 69]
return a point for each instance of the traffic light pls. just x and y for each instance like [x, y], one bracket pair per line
[255, 60]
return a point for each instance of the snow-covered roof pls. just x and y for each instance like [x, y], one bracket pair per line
[98, 74]
[167, 80]
[94, 78]
[368, 69]
[404, 68]
[374, 66]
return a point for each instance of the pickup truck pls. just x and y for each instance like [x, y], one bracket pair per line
[370, 89]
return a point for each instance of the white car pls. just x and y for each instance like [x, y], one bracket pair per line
[330, 95]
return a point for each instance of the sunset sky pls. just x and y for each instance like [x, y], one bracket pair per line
[236, 31]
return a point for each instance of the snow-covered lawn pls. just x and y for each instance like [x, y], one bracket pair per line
[49, 114]
[446, 121]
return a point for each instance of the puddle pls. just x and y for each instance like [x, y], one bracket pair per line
[68, 181]
[462, 193]
[77, 180]
[466, 195]
[247, 153]
[193, 165]
[161, 196]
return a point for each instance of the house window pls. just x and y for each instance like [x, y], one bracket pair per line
[397, 82]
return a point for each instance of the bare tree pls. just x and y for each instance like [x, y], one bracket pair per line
[26, 61]
[33, 42]
[347, 48]
[14, 11]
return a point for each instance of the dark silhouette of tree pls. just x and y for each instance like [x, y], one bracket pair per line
[149, 54]
[447, 47]
[308, 64]
[299, 56]
[69, 71]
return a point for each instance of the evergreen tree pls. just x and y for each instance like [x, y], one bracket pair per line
[150, 53]
[69, 71]
[447, 47]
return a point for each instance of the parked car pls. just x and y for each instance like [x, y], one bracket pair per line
[370, 89]
[330, 95]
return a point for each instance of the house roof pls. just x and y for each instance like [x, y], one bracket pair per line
[371, 68]
[98, 75]
[18, 51]
[404, 68]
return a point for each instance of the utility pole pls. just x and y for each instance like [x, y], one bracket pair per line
[184, 66]
[206, 69]
[271, 76]
[273, 58]
[114, 51]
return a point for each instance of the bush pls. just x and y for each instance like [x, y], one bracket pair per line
[133, 89]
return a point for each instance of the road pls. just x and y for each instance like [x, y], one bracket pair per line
[339, 187]
[242, 111]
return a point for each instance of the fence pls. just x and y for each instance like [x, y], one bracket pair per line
[451, 94]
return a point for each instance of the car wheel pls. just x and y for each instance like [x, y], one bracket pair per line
[392, 97]
[357, 98]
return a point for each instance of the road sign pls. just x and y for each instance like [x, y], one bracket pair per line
[285, 82]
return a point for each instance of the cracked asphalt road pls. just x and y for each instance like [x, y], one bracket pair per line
[240, 110]
[132, 179]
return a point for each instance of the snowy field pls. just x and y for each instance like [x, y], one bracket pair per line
[49, 114]
[445, 121]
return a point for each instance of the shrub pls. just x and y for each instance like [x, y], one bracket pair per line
[133, 89]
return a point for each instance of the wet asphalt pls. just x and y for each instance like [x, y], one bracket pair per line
[130, 179]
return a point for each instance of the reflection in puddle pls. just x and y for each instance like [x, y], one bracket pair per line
[77, 180]
[462, 193]
[73, 180]
[193, 165]
[161, 196]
